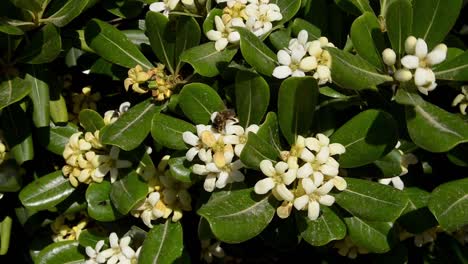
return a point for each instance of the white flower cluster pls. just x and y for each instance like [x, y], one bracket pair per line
[217, 146]
[310, 172]
[166, 197]
[406, 160]
[303, 56]
[112, 115]
[118, 252]
[255, 15]
[462, 100]
[166, 6]
[89, 161]
[417, 63]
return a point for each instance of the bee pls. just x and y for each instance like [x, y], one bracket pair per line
[220, 120]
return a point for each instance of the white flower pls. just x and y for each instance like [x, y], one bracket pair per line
[323, 74]
[462, 100]
[421, 61]
[389, 57]
[294, 63]
[165, 6]
[112, 115]
[119, 251]
[396, 181]
[236, 135]
[261, 17]
[406, 160]
[313, 197]
[224, 34]
[231, 3]
[278, 178]
[115, 164]
[93, 252]
[203, 132]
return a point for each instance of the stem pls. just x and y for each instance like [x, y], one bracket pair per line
[5, 231]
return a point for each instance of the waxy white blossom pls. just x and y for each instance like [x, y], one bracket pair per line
[260, 17]
[118, 252]
[313, 197]
[198, 141]
[224, 33]
[237, 135]
[112, 115]
[279, 177]
[461, 100]
[406, 160]
[165, 6]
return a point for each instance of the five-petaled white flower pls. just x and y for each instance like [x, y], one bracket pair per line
[224, 33]
[313, 197]
[166, 6]
[279, 177]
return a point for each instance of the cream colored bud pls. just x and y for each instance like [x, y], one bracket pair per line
[403, 75]
[410, 45]
[389, 57]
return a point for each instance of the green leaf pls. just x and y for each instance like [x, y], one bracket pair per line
[137, 37]
[39, 96]
[10, 30]
[140, 157]
[376, 237]
[252, 97]
[32, 5]
[256, 150]
[433, 19]
[188, 35]
[46, 192]
[382, 202]
[206, 60]
[209, 22]
[256, 53]
[459, 155]
[99, 203]
[163, 244]
[356, 7]
[69, 10]
[91, 120]
[64, 252]
[58, 109]
[300, 24]
[297, 99]
[198, 101]
[112, 45]
[367, 137]
[288, 8]
[179, 168]
[90, 236]
[132, 127]
[390, 165]
[19, 137]
[399, 19]
[427, 122]
[455, 69]
[368, 39]
[57, 137]
[269, 131]
[326, 228]
[280, 38]
[128, 192]
[123, 8]
[13, 89]
[45, 45]
[448, 203]
[353, 72]
[417, 218]
[167, 131]
[236, 216]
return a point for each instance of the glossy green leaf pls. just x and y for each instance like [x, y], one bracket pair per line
[139, 158]
[383, 203]
[46, 192]
[32, 5]
[44, 46]
[376, 237]
[252, 97]
[455, 69]
[288, 8]
[167, 131]
[39, 96]
[127, 192]
[297, 99]
[353, 72]
[91, 120]
[12, 90]
[256, 53]
[90, 236]
[64, 252]
[390, 165]
[367, 137]
[206, 60]
[137, 37]
[354, 6]
[198, 101]
[68, 11]
[238, 215]
[58, 110]
[163, 244]
[123, 8]
[326, 228]
[256, 150]
[112, 45]
[10, 30]
[19, 137]
[433, 19]
[280, 38]
[449, 203]
[209, 23]
[417, 218]
[300, 24]
[99, 203]
[269, 131]
[459, 155]
[179, 168]
[368, 39]
[399, 19]
[57, 137]
[132, 127]
[427, 122]
[188, 34]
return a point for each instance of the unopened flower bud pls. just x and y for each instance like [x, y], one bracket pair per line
[389, 57]
[403, 75]
[410, 45]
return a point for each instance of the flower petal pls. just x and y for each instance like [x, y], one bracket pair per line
[263, 186]
[313, 211]
[282, 72]
[301, 202]
[410, 62]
